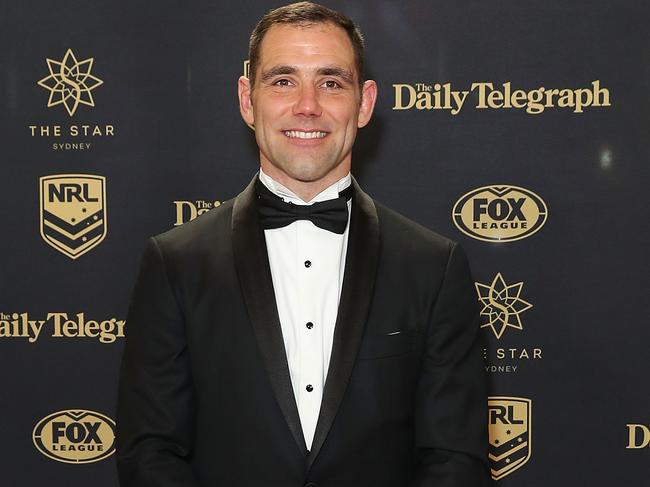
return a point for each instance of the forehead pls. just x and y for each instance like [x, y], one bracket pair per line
[316, 44]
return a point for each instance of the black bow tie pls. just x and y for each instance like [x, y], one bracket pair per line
[329, 215]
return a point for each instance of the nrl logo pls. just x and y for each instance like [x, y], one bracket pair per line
[73, 212]
[510, 434]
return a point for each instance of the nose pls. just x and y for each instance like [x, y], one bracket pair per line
[307, 102]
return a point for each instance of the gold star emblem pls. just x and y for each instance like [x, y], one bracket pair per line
[70, 82]
[502, 305]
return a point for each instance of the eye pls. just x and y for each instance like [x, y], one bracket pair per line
[282, 82]
[331, 84]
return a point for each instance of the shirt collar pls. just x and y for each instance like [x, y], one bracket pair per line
[329, 193]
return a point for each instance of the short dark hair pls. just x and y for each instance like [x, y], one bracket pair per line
[304, 14]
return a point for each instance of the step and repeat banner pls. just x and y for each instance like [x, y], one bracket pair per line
[519, 129]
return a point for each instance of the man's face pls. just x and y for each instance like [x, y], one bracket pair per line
[306, 104]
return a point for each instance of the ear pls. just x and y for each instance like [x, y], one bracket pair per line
[368, 99]
[245, 101]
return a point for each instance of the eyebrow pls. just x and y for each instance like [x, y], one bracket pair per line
[344, 74]
[278, 71]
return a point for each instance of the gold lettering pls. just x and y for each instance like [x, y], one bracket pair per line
[566, 99]
[632, 432]
[69, 328]
[423, 101]
[459, 100]
[549, 97]
[91, 329]
[399, 105]
[57, 317]
[482, 87]
[506, 95]
[534, 101]
[108, 334]
[518, 98]
[583, 97]
[598, 91]
[5, 329]
[180, 213]
[495, 99]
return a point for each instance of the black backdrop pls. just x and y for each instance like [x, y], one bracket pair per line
[574, 294]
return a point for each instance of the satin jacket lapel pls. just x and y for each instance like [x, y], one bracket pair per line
[358, 284]
[252, 263]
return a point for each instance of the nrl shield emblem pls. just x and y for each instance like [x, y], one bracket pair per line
[509, 431]
[73, 212]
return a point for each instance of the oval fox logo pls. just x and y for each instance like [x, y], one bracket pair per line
[75, 436]
[499, 213]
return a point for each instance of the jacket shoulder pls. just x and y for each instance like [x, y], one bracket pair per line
[410, 236]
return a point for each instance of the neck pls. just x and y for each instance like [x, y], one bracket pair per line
[305, 190]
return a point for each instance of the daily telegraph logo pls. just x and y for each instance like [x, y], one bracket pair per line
[73, 212]
[75, 436]
[502, 305]
[60, 325]
[188, 210]
[70, 82]
[509, 433]
[442, 97]
[499, 213]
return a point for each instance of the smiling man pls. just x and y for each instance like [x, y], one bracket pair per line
[305, 101]
[303, 334]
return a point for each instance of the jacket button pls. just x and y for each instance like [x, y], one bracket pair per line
[311, 484]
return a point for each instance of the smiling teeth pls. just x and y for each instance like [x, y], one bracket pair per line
[304, 135]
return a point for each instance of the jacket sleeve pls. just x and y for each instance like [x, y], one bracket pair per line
[451, 401]
[155, 408]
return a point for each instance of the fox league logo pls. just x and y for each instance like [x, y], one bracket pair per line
[510, 434]
[499, 213]
[73, 212]
[75, 436]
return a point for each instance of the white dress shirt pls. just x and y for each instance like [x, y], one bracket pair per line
[307, 265]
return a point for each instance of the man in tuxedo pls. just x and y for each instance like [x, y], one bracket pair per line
[303, 334]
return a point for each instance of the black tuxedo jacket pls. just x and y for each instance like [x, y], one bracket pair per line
[205, 396]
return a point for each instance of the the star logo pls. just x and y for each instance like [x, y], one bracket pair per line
[70, 82]
[502, 305]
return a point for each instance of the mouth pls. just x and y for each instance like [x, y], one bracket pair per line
[300, 134]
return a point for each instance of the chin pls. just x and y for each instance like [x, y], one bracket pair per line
[309, 173]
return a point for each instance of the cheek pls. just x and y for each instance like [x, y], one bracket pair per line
[351, 124]
[345, 115]
[274, 108]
